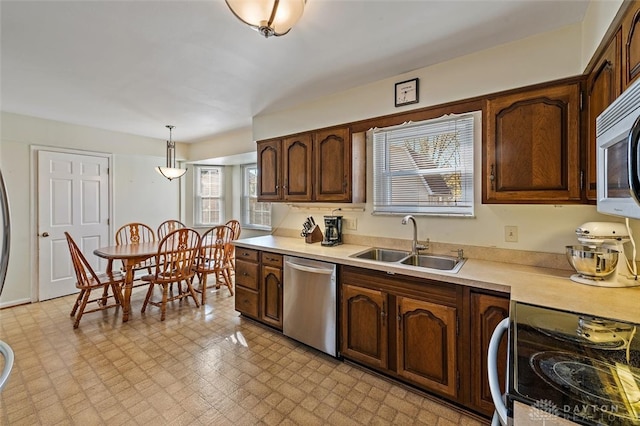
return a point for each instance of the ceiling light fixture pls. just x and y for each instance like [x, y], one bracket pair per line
[171, 171]
[268, 17]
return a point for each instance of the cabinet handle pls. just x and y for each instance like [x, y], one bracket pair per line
[383, 313]
[492, 178]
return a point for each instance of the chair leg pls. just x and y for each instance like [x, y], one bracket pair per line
[163, 306]
[192, 292]
[77, 303]
[117, 293]
[226, 273]
[217, 278]
[203, 287]
[147, 297]
[105, 295]
[85, 299]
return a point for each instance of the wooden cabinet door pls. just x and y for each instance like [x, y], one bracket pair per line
[332, 160]
[603, 86]
[631, 44]
[269, 169]
[247, 274]
[271, 296]
[426, 344]
[486, 312]
[364, 326]
[532, 146]
[297, 168]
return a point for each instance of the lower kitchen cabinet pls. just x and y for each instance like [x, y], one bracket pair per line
[402, 326]
[364, 325]
[247, 297]
[429, 334]
[487, 311]
[426, 344]
[271, 290]
[259, 286]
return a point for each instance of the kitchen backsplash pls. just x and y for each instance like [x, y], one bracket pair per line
[521, 257]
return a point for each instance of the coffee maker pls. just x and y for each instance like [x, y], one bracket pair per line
[332, 231]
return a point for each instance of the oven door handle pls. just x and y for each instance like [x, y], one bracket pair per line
[633, 159]
[492, 369]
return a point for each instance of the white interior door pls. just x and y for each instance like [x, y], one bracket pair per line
[73, 196]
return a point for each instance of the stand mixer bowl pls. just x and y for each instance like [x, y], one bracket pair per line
[592, 262]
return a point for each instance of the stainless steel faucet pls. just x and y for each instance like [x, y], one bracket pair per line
[414, 245]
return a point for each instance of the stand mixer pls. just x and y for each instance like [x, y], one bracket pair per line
[601, 260]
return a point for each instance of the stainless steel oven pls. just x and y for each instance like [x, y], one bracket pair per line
[571, 366]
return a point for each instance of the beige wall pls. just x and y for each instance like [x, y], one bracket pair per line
[545, 57]
[138, 193]
[595, 24]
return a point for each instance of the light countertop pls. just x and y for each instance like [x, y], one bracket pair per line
[539, 286]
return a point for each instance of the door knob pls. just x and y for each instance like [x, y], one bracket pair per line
[44, 234]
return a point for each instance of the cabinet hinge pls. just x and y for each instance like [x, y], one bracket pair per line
[581, 97]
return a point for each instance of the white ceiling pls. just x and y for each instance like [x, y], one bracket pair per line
[133, 66]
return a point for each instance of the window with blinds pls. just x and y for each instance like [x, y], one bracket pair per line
[424, 167]
[209, 196]
[255, 214]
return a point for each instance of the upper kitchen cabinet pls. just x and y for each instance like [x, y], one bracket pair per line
[285, 168]
[333, 165]
[531, 149]
[603, 86]
[297, 168]
[631, 44]
[270, 169]
[320, 166]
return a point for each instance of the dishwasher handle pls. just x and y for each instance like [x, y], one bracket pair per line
[309, 268]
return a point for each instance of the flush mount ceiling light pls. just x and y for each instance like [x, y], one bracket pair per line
[268, 17]
[171, 171]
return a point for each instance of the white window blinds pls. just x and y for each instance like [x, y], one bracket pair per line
[424, 167]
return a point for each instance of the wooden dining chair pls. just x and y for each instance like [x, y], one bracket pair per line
[237, 229]
[88, 280]
[173, 264]
[169, 226]
[136, 233]
[214, 258]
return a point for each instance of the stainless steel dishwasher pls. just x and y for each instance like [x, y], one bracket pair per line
[309, 305]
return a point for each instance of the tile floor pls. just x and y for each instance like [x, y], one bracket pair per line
[201, 366]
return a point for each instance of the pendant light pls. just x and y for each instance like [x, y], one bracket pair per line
[171, 171]
[268, 17]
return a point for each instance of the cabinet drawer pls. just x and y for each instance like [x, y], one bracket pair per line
[247, 302]
[272, 259]
[247, 254]
[247, 274]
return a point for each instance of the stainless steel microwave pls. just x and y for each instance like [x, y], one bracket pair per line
[618, 155]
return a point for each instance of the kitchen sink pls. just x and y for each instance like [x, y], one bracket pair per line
[382, 255]
[442, 263]
[427, 261]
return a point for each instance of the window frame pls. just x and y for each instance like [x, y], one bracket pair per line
[198, 197]
[245, 197]
[386, 172]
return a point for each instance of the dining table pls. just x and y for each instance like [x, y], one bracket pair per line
[130, 255]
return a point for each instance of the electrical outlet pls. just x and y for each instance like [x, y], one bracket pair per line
[511, 234]
[350, 224]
